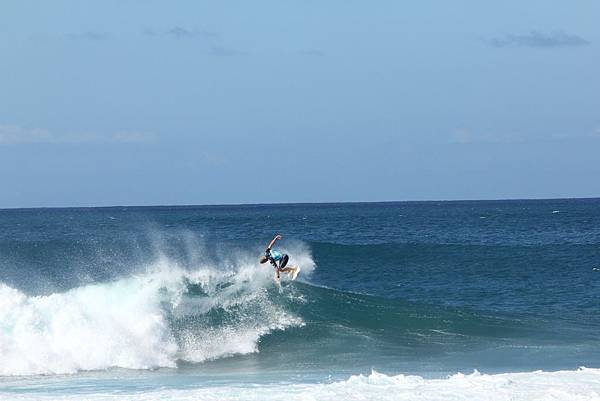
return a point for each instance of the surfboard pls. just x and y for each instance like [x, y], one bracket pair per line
[295, 272]
[287, 278]
[291, 275]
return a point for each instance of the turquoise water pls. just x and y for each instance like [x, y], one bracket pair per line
[171, 302]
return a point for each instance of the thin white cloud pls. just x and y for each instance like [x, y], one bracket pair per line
[540, 39]
[14, 134]
[132, 136]
[182, 33]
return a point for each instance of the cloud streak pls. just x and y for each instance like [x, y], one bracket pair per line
[540, 40]
[13, 134]
[179, 32]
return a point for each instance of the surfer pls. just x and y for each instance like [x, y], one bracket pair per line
[279, 260]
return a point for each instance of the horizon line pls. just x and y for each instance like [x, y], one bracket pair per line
[298, 203]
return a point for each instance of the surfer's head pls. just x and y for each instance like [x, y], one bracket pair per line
[263, 259]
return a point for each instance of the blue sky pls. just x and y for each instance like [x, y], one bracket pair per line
[191, 102]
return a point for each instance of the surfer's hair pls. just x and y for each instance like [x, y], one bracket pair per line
[263, 259]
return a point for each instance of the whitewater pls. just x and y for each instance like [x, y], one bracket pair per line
[133, 322]
[579, 385]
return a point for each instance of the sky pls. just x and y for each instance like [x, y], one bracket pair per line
[144, 102]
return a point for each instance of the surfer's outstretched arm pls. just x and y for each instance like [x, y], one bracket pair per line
[274, 240]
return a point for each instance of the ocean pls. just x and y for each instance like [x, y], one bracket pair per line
[461, 300]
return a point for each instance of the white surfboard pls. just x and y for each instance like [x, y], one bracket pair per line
[292, 274]
[288, 277]
[295, 272]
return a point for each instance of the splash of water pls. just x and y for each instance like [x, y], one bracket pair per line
[143, 321]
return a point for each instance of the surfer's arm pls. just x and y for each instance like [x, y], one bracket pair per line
[274, 240]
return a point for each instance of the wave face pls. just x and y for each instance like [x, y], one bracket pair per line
[579, 385]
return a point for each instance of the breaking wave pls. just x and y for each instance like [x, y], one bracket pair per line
[143, 321]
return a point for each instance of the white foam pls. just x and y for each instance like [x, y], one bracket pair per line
[125, 323]
[579, 385]
[92, 327]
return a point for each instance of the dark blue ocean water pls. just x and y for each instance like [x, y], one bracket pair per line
[428, 288]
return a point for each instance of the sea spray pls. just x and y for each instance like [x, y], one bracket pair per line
[143, 321]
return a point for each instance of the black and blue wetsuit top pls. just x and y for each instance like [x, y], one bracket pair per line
[275, 257]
